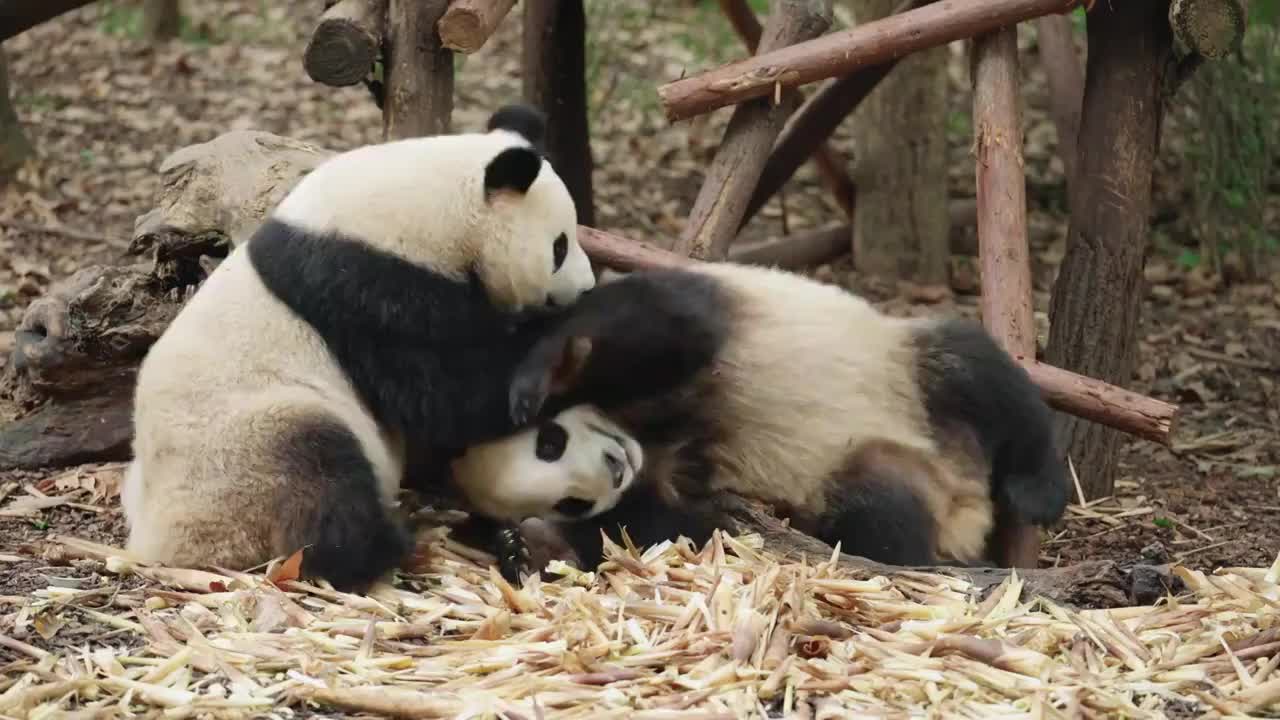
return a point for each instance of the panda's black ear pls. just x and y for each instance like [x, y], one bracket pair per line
[512, 169]
[524, 120]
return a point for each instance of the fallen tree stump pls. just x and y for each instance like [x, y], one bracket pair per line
[844, 52]
[1093, 583]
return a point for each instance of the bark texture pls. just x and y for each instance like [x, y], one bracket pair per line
[902, 227]
[555, 80]
[844, 52]
[418, 70]
[345, 44]
[467, 24]
[1003, 249]
[1096, 300]
[734, 173]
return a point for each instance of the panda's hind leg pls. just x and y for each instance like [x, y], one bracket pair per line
[331, 506]
[874, 508]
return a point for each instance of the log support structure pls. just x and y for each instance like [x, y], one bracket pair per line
[754, 126]
[467, 24]
[418, 71]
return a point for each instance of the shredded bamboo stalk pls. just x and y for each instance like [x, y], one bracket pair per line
[668, 631]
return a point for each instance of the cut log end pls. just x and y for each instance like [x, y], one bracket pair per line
[346, 42]
[468, 24]
[1211, 28]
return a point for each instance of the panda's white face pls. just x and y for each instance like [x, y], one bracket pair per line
[454, 204]
[574, 466]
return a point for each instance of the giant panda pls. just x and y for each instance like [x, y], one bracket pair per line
[905, 439]
[378, 309]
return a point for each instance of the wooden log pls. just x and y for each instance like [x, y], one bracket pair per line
[797, 251]
[345, 44]
[18, 16]
[830, 165]
[734, 173]
[161, 19]
[1097, 299]
[1061, 62]
[1210, 28]
[1069, 392]
[846, 51]
[418, 69]
[555, 81]
[467, 24]
[1003, 250]
[815, 121]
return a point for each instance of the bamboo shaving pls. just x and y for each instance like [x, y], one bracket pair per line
[662, 632]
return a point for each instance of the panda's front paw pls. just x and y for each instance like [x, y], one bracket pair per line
[513, 554]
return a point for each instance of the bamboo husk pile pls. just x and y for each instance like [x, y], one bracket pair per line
[726, 632]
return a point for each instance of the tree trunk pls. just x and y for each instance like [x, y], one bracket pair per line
[902, 227]
[14, 146]
[1061, 62]
[1093, 314]
[161, 19]
[418, 71]
[555, 39]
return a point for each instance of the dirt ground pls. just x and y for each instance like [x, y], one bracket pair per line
[104, 108]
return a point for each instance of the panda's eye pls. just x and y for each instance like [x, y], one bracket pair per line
[561, 250]
[552, 440]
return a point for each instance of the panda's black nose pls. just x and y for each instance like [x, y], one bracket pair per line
[573, 507]
[616, 468]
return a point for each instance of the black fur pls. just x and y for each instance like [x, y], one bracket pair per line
[874, 514]
[526, 120]
[512, 169]
[648, 519]
[425, 353]
[500, 539]
[967, 377]
[348, 537]
[650, 331]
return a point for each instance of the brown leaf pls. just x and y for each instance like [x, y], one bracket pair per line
[287, 570]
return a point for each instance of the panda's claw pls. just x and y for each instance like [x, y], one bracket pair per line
[525, 400]
[513, 555]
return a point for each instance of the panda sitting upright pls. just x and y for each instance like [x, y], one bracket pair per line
[906, 440]
[380, 306]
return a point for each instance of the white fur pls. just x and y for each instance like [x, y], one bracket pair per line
[506, 480]
[236, 366]
[423, 199]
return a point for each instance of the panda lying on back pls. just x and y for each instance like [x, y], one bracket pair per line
[380, 302]
[904, 439]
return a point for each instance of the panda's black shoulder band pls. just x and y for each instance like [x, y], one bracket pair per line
[512, 169]
[525, 120]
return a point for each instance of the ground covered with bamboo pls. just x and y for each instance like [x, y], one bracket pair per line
[725, 631]
[102, 107]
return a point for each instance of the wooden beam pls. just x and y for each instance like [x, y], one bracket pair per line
[734, 173]
[467, 24]
[418, 69]
[830, 165]
[346, 42]
[841, 53]
[814, 122]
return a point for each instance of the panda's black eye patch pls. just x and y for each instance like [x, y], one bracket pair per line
[561, 250]
[573, 507]
[552, 440]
